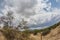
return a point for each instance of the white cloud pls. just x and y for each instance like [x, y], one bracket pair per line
[33, 11]
[27, 7]
[45, 17]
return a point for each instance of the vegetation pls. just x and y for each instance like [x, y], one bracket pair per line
[13, 34]
[45, 31]
[16, 33]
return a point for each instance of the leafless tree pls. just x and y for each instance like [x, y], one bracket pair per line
[23, 25]
[7, 20]
[10, 18]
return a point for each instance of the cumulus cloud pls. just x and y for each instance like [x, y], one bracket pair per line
[33, 12]
[26, 7]
[45, 18]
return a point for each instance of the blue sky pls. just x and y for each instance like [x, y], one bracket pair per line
[55, 4]
[38, 13]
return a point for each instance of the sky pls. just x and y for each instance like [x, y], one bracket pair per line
[37, 13]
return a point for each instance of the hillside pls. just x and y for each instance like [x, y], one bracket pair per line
[51, 33]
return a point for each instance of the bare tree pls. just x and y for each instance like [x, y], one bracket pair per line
[10, 18]
[4, 21]
[7, 20]
[23, 25]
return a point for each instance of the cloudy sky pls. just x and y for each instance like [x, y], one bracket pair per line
[37, 13]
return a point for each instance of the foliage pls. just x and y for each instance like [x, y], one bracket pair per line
[46, 31]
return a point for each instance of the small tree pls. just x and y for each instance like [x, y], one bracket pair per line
[22, 25]
[7, 20]
[10, 18]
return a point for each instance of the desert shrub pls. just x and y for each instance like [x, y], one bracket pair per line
[36, 31]
[13, 34]
[55, 25]
[9, 33]
[45, 32]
